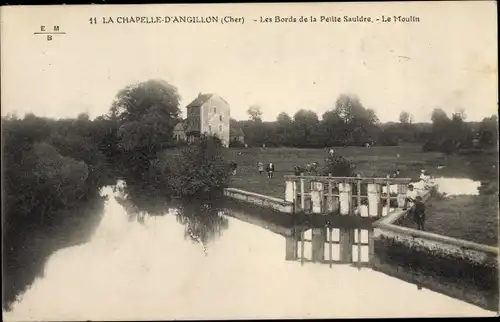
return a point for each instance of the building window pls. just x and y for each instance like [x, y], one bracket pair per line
[220, 118]
[220, 128]
[215, 109]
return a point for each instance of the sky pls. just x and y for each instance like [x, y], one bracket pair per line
[447, 60]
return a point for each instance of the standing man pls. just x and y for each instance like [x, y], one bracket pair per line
[270, 170]
[331, 152]
[411, 196]
[419, 213]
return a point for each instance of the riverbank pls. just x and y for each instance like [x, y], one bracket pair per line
[472, 218]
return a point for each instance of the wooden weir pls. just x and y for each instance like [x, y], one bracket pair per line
[327, 195]
[345, 195]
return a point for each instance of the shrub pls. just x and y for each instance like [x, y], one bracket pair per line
[387, 139]
[489, 187]
[236, 144]
[448, 146]
[338, 166]
[198, 170]
[431, 146]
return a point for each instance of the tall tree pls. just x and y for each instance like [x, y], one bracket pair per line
[405, 117]
[255, 113]
[358, 122]
[305, 123]
[488, 131]
[147, 113]
[284, 129]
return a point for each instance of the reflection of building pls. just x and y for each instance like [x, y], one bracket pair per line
[208, 114]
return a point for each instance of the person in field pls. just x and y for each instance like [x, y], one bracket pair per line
[423, 175]
[270, 170]
[411, 196]
[426, 179]
[314, 167]
[331, 152]
[396, 174]
[233, 166]
[297, 170]
[419, 213]
[260, 167]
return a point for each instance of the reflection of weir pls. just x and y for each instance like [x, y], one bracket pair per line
[331, 245]
[318, 241]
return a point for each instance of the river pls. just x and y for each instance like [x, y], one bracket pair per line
[167, 268]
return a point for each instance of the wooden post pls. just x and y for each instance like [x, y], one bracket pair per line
[358, 183]
[373, 200]
[316, 197]
[290, 191]
[388, 195]
[358, 231]
[345, 197]
[321, 191]
[371, 245]
[302, 196]
[329, 199]
[401, 195]
[297, 201]
[345, 245]
[302, 247]
[318, 244]
[291, 248]
[330, 250]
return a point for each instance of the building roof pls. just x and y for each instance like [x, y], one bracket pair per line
[200, 100]
[181, 126]
[236, 131]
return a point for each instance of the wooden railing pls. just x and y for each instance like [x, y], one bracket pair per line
[345, 195]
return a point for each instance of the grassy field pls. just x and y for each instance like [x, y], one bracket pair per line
[472, 218]
[371, 162]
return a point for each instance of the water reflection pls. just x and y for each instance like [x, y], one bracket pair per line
[322, 240]
[146, 270]
[457, 186]
[203, 222]
[24, 256]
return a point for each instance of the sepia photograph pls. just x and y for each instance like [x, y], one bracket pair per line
[249, 161]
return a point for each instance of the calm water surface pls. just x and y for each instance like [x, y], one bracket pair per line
[164, 269]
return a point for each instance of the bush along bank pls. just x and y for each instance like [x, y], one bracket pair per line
[195, 171]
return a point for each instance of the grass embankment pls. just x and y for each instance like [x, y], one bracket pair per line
[473, 218]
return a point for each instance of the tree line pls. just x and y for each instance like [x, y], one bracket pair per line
[349, 123]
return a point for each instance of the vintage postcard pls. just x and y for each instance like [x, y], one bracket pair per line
[236, 161]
